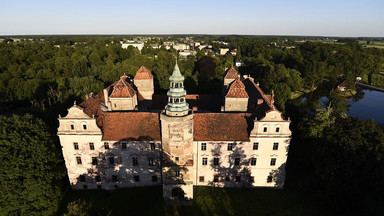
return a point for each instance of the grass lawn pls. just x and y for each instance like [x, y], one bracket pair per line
[207, 201]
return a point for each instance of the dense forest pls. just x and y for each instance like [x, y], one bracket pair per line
[333, 155]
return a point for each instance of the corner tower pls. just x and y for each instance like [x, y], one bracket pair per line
[177, 142]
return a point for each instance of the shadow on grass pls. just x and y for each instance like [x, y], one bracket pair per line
[207, 201]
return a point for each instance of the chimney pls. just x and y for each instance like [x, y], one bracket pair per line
[105, 91]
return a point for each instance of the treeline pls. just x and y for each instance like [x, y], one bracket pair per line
[47, 72]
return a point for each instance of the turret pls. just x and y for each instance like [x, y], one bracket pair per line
[144, 82]
[122, 96]
[177, 105]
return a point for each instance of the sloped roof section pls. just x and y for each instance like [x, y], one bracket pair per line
[143, 73]
[220, 127]
[231, 73]
[131, 126]
[92, 107]
[122, 89]
[237, 90]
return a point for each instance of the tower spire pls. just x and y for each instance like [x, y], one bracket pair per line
[177, 105]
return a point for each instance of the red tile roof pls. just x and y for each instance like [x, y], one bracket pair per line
[122, 89]
[131, 126]
[143, 73]
[231, 73]
[237, 90]
[92, 107]
[220, 127]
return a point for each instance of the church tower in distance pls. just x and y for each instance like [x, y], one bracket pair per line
[177, 141]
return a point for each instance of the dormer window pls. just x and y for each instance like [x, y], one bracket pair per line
[72, 127]
[277, 130]
[265, 129]
[84, 126]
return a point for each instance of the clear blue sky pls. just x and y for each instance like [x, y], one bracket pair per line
[274, 17]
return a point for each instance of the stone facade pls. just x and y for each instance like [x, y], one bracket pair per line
[108, 146]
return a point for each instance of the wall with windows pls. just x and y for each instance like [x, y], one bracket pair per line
[258, 163]
[112, 164]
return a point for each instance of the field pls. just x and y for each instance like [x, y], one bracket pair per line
[208, 201]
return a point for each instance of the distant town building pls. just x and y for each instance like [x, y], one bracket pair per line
[138, 45]
[223, 51]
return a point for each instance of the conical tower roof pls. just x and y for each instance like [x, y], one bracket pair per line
[176, 75]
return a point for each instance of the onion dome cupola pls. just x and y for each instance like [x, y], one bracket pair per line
[177, 105]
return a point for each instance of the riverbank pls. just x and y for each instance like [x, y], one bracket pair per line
[370, 87]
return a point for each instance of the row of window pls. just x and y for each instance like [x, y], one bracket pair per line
[216, 178]
[115, 178]
[231, 145]
[252, 161]
[73, 127]
[135, 161]
[106, 146]
[277, 130]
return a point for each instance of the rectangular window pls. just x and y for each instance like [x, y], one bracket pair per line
[136, 178]
[76, 146]
[273, 162]
[265, 129]
[106, 145]
[111, 161]
[135, 161]
[84, 127]
[238, 178]
[94, 160]
[114, 178]
[82, 178]
[176, 158]
[72, 127]
[153, 146]
[216, 178]
[277, 130]
[275, 146]
[216, 161]
[78, 160]
[154, 178]
[124, 146]
[201, 178]
[255, 146]
[91, 146]
[203, 146]
[150, 161]
[205, 161]
[237, 161]
[177, 173]
[98, 178]
[229, 146]
[253, 161]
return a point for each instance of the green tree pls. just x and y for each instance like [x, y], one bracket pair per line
[31, 167]
[78, 208]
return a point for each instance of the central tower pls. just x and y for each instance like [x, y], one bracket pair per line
[177, 141]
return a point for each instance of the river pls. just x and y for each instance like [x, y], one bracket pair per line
[371, 106]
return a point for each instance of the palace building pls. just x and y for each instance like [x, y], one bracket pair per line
[127, 136]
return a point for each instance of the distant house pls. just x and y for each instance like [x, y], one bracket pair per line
[233, 52]
[223, 51]
[180, 47]
[138, 45]
[342, 86]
